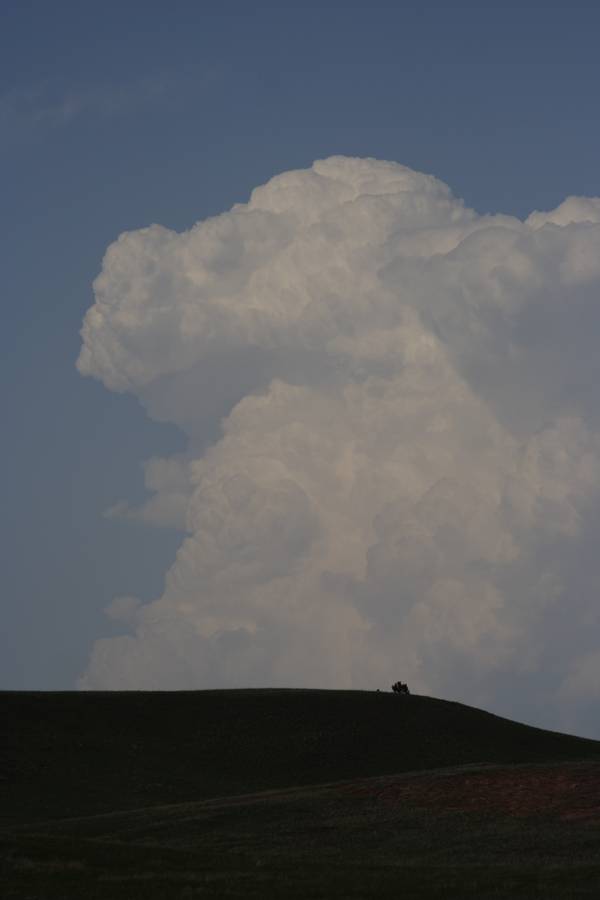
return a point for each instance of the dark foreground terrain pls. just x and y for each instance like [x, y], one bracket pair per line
[291, 794]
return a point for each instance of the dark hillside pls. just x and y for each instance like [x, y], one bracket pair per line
[72, 754]
[520, 832]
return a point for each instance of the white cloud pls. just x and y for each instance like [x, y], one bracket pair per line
[123, 609]
[26, 109]
[169, 482]
[409, 451]
[583, 681]
[571, 210]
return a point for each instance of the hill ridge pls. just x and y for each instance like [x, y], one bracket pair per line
[78, 753]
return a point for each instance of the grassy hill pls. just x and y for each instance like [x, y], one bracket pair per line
[292, 793]
[80, 753]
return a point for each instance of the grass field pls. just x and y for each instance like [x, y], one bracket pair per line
[292, 794]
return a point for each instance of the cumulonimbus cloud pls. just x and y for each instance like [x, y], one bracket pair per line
[394, 440]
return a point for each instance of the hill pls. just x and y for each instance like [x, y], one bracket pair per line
[291, 794]
[79, 754]
[520, 832]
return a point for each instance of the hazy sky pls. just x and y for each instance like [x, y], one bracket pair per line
[117, 116]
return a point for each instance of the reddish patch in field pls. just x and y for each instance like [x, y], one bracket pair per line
[568, 792]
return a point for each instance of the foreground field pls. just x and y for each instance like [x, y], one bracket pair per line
[413, 797]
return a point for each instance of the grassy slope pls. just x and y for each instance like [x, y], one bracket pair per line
[82, 755]
[344, 840]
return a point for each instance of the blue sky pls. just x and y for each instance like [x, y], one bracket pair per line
[117, 115]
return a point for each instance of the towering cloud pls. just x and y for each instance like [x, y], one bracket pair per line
[394, 442]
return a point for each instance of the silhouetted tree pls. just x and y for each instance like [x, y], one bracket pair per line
[400, 688]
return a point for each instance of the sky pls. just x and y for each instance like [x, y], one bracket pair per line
[265, 354]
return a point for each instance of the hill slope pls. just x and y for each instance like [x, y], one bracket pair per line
[77, 754]
[525, 831]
